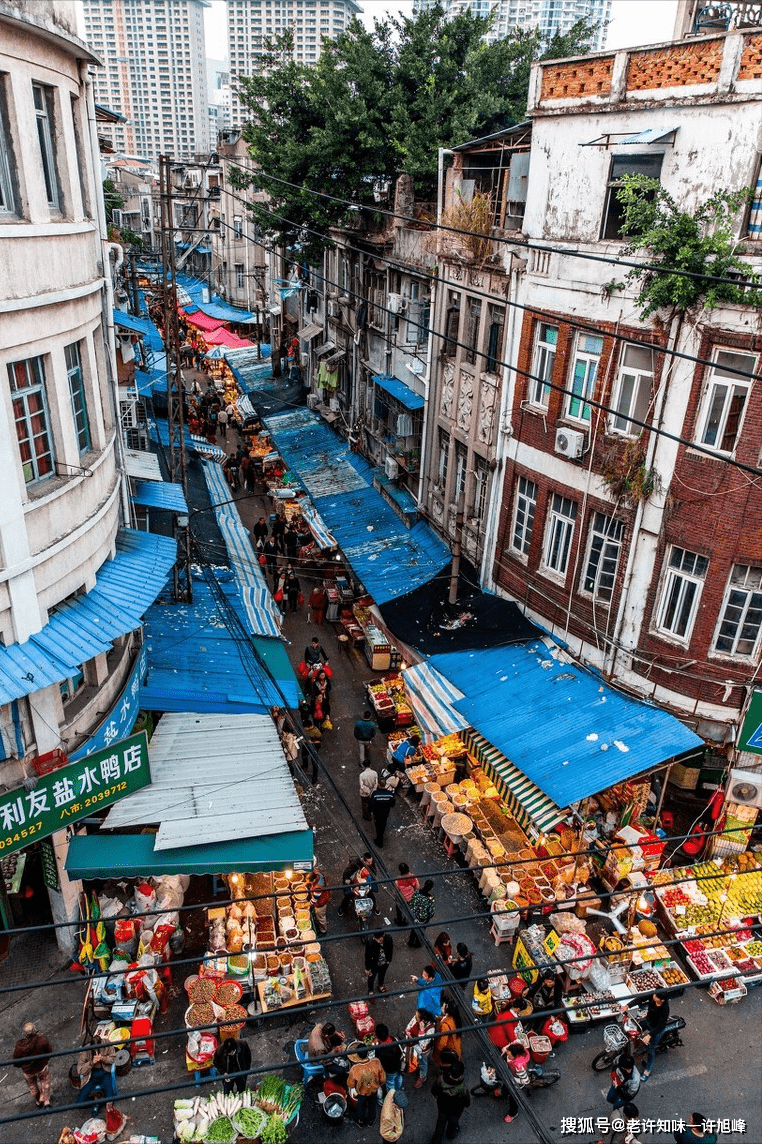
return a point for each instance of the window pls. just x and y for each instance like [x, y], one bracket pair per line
[680, 594]
[543, 362]
[603, 556]
[558, 534]
[444, 458]
[418, 318]
[720, 419]
[30, 413]
[77, 391]
[71, 686]
[43, 107]
[239, 276]
[523, 515]
[237, 226]
[754, 221]
[633, 390]
[481, 484]
[7, 166]
[494, 338]
[461, 469]
[473, 321]
[741, 618]
[613, 214]
[452, 325]
[586, 358]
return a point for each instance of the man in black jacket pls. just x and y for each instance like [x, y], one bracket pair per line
[379, 951]
[380, 806]
[452, 1098]
[391, 1056]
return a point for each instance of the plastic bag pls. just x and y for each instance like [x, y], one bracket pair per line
[327, 725]
[599, 976]
[566, 921]
[145, 897]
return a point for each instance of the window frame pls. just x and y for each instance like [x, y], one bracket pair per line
[524, 502]
[45, 121]
[671, 574]
[752, 228]
[9, 206]
[473, 328]
[461, 472]
[589, 359]
[610, 532]
[77, 392]
[750, 590]
[543, 363]
[443, 459]
[20, 396]
[559, 535]
[480, 488]
[731, 382]
[641, 378]
[451, 325]
[495, 335]
[240, 276]
[612, 212]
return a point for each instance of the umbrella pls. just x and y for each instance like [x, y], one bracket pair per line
[215, 353]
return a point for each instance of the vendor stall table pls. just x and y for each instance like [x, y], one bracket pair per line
[293, 1004]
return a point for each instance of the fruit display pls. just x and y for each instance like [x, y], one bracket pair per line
[672, 975]
[754, 948]
[674, 896]
[719, 959]
[645, 981]
[702, 964]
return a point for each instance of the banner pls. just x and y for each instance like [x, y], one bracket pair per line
[751, 731]
[73, 792]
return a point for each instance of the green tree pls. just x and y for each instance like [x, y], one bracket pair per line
[701, 241]
[113, 200]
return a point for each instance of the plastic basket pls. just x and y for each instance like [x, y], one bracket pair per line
[614, 1038]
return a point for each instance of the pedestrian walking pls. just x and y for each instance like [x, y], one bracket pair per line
[449, 1038]
[368, 783]
[452, 1098]
[462, 963]
[407, 884]
[36, 1072]
[379, 951]
[517, 1058]
[321, 699]
[421, 1026]
[233, 1056]
[291, 542]
[366, 1077]
[315, 654]
[313, 738]
[430, 989]
[422, 907]
[290, 744]
[319, 899]
[380, 806]
[317, 602]
[260, 531]
[365, 868]
[278, 532]
[696, 1129]
[365, 732]
[392, 1123]
[654, 1026]
[293, 592]
[222, 423]
[625, 1082]
[390, 1053]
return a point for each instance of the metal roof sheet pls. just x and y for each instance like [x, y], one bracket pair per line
[160, 494]
[143, 466]
[130, 322]
[562, 726]
[85, 627]
[399, 391]
[201, 765]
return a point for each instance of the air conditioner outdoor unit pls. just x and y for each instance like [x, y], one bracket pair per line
[332, 309]
[313, 400]
[391, 468]
[570, 442]
[745, 788]
[334, 403]
[396, 303]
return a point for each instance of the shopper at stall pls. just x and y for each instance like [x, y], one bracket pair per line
[546, 996]
[503, 1032]
[95, 1071]
[430, 989]
[625, 1082]
[422, 1025]
[453, 1098]
[36, 1072]
[233, 1056]
[315, 654]
[449, 1038]
[368, 784]
[319, 898]
[379, 951]
[407, 884]
[443, 947]
[380, 805]
[365, 732]
[392, 1123]
[653, 1027]
[391, 1056]
[366, 1077]
[406, 751]
[462, 963]
[481, 1002]
[317, 601]
[422, 907]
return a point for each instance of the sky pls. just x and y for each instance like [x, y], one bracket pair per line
[633, 22]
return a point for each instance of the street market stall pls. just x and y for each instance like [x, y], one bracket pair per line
[268, 1113]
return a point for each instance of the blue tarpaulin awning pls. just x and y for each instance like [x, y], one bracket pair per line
[86, 626]
[561, 725]
[107, 855]
[399, 391]
[130, 322]
[160, 494]
[224, 311]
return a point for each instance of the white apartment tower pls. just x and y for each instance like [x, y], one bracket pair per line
[251, 22]
[154, 73]
[550, 16]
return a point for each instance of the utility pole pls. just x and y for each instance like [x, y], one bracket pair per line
[175, 386]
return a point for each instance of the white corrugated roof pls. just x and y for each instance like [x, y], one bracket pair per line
[143, 466]
[213, 777]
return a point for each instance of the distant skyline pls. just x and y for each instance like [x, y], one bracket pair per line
[630, 26]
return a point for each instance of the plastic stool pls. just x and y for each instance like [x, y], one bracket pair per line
[344, 642]
[500, 938]
[450, 847]
[309, 1069]
[199, 1073]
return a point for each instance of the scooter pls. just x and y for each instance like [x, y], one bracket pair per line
[491, 1085]
[363, 904]
[617, 1038]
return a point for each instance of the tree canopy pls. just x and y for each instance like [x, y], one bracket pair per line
[376, 104]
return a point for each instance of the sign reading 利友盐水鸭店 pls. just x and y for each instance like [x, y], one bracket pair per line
[73, 792]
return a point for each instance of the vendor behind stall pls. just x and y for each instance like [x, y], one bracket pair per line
[545, 995]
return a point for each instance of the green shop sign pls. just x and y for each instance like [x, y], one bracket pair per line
[73, 792]
[751, 732]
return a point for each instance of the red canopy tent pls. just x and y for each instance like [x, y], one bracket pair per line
[223, 337]
[202, 322]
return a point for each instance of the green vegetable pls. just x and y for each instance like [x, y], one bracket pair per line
[292, 1100]
[271, 1089]
[274, 1131]
[220, 1131]
[250, 1122]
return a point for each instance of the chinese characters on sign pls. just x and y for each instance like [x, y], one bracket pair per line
[123, 715]
[73, 792]
[584, 1125]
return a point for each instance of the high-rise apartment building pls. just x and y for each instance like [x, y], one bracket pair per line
[154, 73]
[251, 22]
[550, 16]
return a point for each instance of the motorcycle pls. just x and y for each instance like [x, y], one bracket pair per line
[363, 905]
[617, 1038]
[491, 1085]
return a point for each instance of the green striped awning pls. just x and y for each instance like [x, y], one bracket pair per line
[527, 802]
